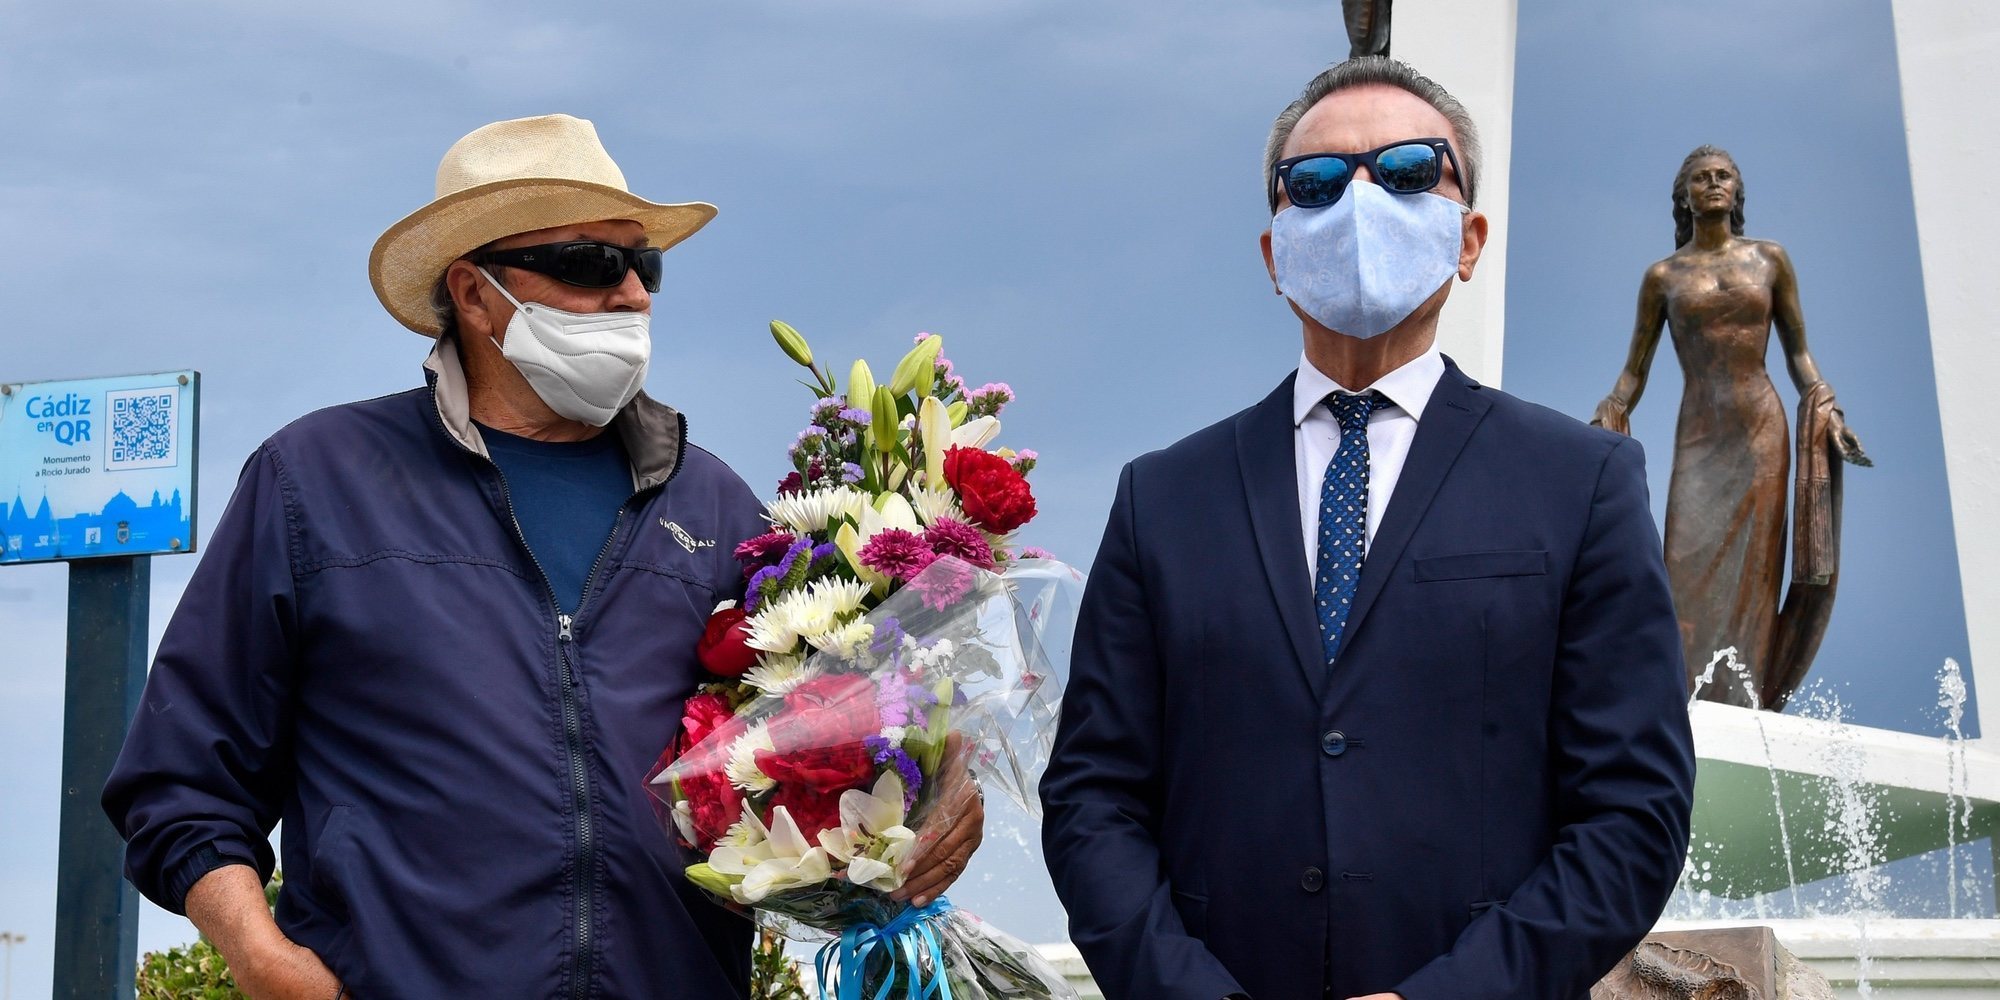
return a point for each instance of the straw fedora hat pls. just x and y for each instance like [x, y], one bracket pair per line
[506, 178]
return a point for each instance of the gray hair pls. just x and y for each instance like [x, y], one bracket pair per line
[1365, 70]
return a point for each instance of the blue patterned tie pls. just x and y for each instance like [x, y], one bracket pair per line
[1343, 517]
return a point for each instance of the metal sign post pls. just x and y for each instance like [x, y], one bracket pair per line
[101, 476]
[97, 911]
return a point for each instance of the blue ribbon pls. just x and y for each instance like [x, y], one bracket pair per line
[907, 940]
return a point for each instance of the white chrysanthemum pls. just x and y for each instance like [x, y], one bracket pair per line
[934, 656]
[778, 675]
[739, 834]
[810, 511]
[846, 641]
[822, 607]
[934, 505]
[742, 769]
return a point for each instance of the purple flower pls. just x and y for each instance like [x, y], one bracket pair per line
[952, 537]
[850, 473]
[897, 554]
[764, 583]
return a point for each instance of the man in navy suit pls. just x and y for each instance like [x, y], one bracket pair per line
[1377, 685]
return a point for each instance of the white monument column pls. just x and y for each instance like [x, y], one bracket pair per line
[1467, 46]
[1948, 54]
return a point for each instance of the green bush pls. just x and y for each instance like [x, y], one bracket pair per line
[197, 971]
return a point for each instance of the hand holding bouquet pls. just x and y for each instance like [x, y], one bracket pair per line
[889, 653]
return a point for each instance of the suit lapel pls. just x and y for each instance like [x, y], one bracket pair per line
[1455, 408]
[1269, 464]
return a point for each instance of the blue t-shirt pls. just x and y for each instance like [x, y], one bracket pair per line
[566, 496]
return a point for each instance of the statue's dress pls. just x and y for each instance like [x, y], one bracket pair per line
[1725, 539]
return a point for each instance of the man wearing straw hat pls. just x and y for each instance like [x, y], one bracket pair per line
[443, 634]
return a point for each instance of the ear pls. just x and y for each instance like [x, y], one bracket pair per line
[1471, 242]
[1270, 263]
[478, 317]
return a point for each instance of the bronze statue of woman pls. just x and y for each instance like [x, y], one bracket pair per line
[1720, 293]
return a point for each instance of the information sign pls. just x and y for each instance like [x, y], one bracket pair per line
[98, 466]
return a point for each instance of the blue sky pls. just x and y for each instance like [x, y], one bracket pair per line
[1068, 192]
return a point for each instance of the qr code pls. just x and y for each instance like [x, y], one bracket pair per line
[144, 429]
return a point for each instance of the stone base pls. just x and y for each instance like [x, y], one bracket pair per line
[1726, 963]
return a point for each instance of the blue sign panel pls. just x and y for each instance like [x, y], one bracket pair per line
[98, 466]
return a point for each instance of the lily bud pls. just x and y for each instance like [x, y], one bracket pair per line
[792, 343]
[885, 426]
[918, 369]
[956, 412]
[861, 385]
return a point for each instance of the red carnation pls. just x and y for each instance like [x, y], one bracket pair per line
[724, 648]
[814, 811]
[714, 805]
[992, 491]
[827, 710]
[828, 769]
[701, 716]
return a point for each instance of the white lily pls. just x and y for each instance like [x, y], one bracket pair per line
[976, 433]
[791, 862]
[936, 429]
[872, 840]
[894, 512]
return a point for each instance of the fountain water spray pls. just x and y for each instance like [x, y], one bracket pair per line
[1958, 799]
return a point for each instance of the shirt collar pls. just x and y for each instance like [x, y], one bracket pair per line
[1409, 386]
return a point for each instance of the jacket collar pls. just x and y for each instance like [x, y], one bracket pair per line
[652, 432]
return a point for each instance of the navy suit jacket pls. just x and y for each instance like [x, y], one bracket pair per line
[1487, 795]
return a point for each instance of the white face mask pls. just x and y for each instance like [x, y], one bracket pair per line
[585, 366]
[1366, 262]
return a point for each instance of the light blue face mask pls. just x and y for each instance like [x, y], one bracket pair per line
[1366, 262]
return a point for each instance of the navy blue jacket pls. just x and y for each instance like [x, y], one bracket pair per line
[369, 653]
[1486, 796]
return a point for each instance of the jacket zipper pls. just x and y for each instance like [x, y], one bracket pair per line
[584, 887]
[566, 680]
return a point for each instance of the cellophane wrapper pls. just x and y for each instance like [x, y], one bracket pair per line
[806, 801]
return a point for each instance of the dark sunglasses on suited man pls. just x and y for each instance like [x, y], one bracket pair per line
[584, 263]
[1407, 166]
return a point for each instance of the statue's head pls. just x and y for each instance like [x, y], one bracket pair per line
[1718, 170]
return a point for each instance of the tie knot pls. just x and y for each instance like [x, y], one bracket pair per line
[1352, 409]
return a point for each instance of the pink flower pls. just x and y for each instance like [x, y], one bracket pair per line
[763, 550]
[949, 537]
[897, 554]
[944, 583]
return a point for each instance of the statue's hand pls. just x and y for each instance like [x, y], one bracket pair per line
[1849, 444]
[1613, 415]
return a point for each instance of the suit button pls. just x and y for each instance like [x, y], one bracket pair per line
[1313, 880]
[1333, 743]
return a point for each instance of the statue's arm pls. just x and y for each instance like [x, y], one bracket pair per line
[1614, 413]
[1790, 321]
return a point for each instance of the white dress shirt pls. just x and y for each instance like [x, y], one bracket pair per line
[1316, 436]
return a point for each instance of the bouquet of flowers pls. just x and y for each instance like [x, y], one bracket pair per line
[892, 646]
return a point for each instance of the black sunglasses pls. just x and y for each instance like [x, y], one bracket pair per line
[586, 263]
[1315, 180]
